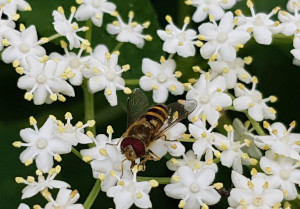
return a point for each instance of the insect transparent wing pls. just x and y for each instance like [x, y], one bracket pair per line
[177, 111]
[137, 105]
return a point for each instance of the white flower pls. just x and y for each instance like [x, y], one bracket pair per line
[178, 40]
[65, 198]
[221, 39]
[213, 7]
[296, 51]
[130, 32]
[259, 24]
[161, 79]
[42, 145]
[193, 188]
[10, 7]
[293, 5]
[161, 146]
[74, 134]
[289, 23]
[253, 194]
[94, 9]
[210, 97]
[280, 140]
[241, 133]
[253, 101]
[34, 187]
[107, 74]
[43, 81]
[231, 71]
[23, 206]
[77, 67]
[5, 26]
[282, 170]
[129, 192]
[191, 160]
[68, 28]
[22, 44]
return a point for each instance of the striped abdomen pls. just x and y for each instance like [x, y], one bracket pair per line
[156, 116]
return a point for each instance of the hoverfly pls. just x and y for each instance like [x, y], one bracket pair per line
[145, 125]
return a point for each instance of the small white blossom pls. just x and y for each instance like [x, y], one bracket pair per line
[42, 145]
[253, 101]
[160, 147]
[23, 206]
[210, 97]
[193, 188]
[161, 79]
[43, 81]
[74, 134]
[130, 32]
[5, 26]
[129, 192]
[65, 198]
[293, 5]
[34, 187]
[10, 7]
[207, 7]
[296, 51]
[22, 45]
[221, 39]
[95, 10]
[260, 24]
[280, 140]
[178, 40]
[67, 28]
[253, 194]
[107, 74]
[77, 68]
[282, 170]
[231, 71]
[191, 160]
[289, 23]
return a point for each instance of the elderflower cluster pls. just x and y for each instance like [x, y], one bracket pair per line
[197, 151]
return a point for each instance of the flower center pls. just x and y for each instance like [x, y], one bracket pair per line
[194, 188]
[96, 3]
[235, 146]
[256, 96]
[181, 36]
[130, 187]
[74, 63]
[258, 201]
[24, 48]
[117, 166]
[285, 174]
[68, 128]
[204, 98]
[222, 37]
[110, 75]
[41, 79]
[258, 21]
[161, 78]
[41, 143]
[285, 139]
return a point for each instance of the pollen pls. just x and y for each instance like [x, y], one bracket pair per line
[268, 170]
[32, 121]
[199, 43]
[169, 18]
[28, 8]
[172, 88]
[61, 98]
[175, 178]
[127, 90]
[73, 193]
[79, 1]
[217, 154]
[273, 99]
[225, 70]
[126, 67]
[253, 161]
[68, 115]
[154, 183]
[249, 3]
[90, 134]
[57, 157]
[53, 97]
[103, 152]
[213, 57]
[253, 172]
[174, 161]
[203, 135]
[17, 144]
[201, 37]
[250, 185]
[28, 96]
[251, 105]
[244, 76]
[75, 26]
[241, 86]
[248, 60]
[73, 9]
[148, 74]
[196, 69]
[162, 59]
[16, 63]
[245, 156]
[28, 162]
[15, 17]
[188, 2]
[293, 124]
[5, 42]
[87, 158]
[146, 24]
[209, 162]
[181, 204]
[122, 183]
[108, 92]
[91, 123]
[101, 177]
[218, 185]
[148, 38]
[180, 43]
[192, 80]
[195, 118]
[272, 110]
[174, 146]
[30, 179]
[98, 16]
[22, 27]
[115, 14]
[19, 180]
[60, 10]
[247, 142]
[154, 87]
[204, 206]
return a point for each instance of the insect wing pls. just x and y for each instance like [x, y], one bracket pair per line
[137, 105]
[177, 111]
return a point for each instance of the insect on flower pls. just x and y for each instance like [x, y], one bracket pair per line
[145, 125]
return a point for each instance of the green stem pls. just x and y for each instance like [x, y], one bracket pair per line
[160, 180]
[89, 109]
[132, 82]
[255, 125]
[54, 37]
[88, 34]
[171, 56]
[76, 152]
[120, 44]
[187, 140]
[93, 194]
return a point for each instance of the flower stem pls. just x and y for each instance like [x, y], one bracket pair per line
[75, 152]
[255, 125]
[171, 56]
[93, 195]
[54, 37]
[132, 81]
[120, 44]
[89, 109]
[88, 34]
[160, 180]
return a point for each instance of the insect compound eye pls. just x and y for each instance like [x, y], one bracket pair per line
[136, 145]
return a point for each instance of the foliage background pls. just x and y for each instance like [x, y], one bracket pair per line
[272, 65]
